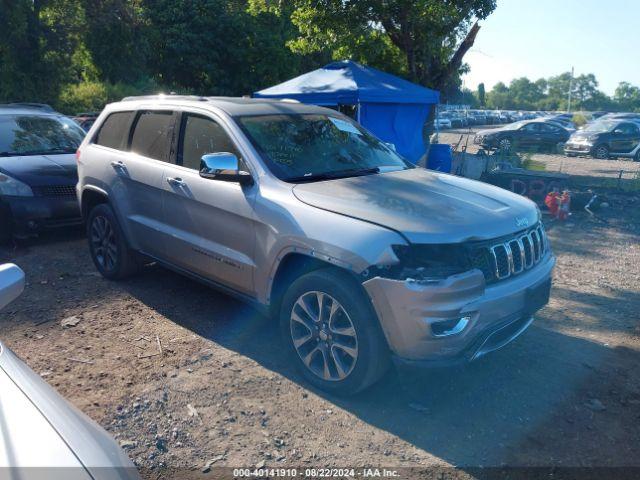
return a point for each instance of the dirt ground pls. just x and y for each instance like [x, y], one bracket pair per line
[182, 375]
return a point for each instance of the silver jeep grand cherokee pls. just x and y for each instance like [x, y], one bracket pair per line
[361, 255]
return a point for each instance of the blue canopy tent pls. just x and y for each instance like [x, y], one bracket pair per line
[392, 108]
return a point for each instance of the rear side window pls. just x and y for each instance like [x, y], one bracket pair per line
[203, 135]
[153, 134]
[114, 132]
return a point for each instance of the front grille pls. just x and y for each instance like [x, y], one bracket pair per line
[56, 191]
[507, 257]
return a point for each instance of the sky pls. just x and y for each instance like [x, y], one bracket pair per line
[542, 38]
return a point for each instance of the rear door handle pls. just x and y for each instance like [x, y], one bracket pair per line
[178, 182]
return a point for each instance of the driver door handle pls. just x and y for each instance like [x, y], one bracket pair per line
[178, 182]
[118, 164]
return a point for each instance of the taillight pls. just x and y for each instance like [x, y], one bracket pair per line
[77, 155]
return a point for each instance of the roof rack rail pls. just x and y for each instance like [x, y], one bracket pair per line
[38, 106]
[160, 96]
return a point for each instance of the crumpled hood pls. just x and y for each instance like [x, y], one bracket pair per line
[38, 170]
[424, 206]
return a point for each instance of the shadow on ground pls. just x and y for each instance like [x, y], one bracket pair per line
[516, 406]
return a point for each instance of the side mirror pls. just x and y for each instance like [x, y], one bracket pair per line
[11, 283]
[223, 166]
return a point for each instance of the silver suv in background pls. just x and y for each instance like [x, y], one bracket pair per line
[295, 208]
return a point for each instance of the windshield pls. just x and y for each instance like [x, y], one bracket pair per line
[299, 147]
[599, 127]
[38, 135]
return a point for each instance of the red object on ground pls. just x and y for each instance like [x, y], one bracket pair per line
[558, 204]
[552, 203]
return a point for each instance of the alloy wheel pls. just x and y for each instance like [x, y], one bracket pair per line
[324, 336]
[505, 145]
[602, 152]
[104, 244]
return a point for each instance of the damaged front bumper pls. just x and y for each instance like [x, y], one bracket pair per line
[459, 318]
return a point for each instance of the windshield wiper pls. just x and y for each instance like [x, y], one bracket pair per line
[351, 172]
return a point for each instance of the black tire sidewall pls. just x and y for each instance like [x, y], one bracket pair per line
[373, 354]
[123, 261]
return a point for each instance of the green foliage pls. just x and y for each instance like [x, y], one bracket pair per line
[482, 95]
[91, 96]
[552, 94]
[419, 39]
[579, 119]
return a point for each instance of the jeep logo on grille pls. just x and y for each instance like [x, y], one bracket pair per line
[522, 222]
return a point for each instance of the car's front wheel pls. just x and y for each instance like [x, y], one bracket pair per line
[601, 152]
[332, 332]
[505, 145]
[109, 249]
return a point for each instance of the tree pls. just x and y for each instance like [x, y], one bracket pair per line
[627, 96]
[425, 40]
[481, 95]
[524, 94]
[499, 97]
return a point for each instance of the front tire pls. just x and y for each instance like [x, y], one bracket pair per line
[108, 246]
[331, 331]
[601, 152]
[505, 145]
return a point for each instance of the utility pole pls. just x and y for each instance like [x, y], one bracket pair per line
[569, 95]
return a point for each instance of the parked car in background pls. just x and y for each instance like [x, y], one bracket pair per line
[37, 170]
[479, 117]
[527, 134]
[462, 115]
[454, 122]
[442, 123]
[567, 125]
[41, 434]
[606, 139]
[86, 119]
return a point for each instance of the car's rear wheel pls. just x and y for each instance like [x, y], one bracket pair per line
[601, 152]
[109, 250]
[332, 332]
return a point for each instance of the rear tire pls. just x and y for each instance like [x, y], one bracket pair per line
[332, 332]
[601, 152]
[108, 246]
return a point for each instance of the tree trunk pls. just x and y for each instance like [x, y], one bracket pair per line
[456, 60]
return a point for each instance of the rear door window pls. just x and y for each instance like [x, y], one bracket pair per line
[114, 132]
[153, 134]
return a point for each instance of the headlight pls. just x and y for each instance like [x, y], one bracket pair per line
[13, 187]
[428, 262]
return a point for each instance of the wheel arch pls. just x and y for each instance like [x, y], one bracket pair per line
[293, 265]
[91, 197]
